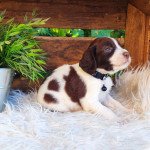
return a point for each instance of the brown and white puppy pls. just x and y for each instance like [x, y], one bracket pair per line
[75, 87]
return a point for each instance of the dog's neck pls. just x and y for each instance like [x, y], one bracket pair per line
[99, 75]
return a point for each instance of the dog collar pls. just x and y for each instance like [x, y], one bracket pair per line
[99, 75]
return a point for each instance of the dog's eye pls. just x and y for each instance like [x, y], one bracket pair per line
[108, 49]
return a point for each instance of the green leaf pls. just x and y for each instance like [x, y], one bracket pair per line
[36, 50]
[117, 33]
[32, 54]
[41, 62]
[101, 33]
[14, 33]
[2, 15]
[10, 21]
[2, 43]
[1, 48]
[7, 42]
[29, 46]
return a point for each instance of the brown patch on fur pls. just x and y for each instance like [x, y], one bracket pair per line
[49, 98]
[53, 85]
[97, 55]
[74, 86]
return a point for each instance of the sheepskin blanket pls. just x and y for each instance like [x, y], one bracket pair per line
[28, 126]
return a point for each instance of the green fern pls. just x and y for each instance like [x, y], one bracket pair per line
[19, 49]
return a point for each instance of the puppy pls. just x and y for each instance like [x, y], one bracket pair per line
[86, 85]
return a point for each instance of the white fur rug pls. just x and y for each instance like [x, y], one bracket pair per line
[26, 125]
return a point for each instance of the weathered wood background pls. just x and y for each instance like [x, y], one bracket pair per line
[131, 15]
[85, 14]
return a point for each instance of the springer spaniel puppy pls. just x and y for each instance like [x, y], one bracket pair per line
[86, 85]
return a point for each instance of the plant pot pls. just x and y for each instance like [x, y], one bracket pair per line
[6, 76]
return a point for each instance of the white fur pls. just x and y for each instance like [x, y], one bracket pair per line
[134, 88]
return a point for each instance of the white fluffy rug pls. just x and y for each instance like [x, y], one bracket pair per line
[26, 125]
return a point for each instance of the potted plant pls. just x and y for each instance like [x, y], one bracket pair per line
[20, 52]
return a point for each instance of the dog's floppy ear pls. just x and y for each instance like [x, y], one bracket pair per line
[88, 61]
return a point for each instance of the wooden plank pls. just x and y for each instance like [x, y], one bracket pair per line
[135, 34]
[85, 14]
[59, 51]
[26, 85]
[143, 5]
[147, 40]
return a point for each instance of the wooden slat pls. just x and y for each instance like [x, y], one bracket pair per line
[143, 5]
[85, 14]
[59, 51]
[148, 37]
[135, 35]
[147, 40]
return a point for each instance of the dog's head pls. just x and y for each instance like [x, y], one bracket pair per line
[106, 56]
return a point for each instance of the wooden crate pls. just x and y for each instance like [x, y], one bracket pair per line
[132, 15]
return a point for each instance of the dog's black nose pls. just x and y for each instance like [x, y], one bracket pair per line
[104, 88]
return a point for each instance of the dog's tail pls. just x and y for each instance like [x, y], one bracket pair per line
[133, 89]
